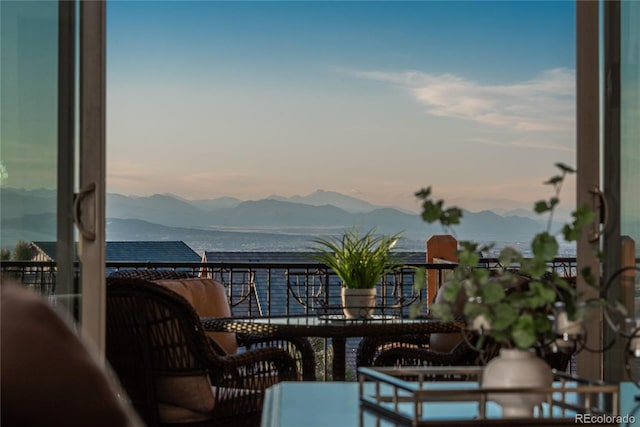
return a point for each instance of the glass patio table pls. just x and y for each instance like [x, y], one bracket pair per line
[336, 327]
[412, 396]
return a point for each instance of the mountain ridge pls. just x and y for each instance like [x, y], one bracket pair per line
[271, 216]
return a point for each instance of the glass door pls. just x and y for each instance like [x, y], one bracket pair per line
[42, 127]
[623, 162]
[621, 165]
[630, 127]
[31, 144]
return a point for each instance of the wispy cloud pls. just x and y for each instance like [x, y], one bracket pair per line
[525, 143]
[544, 103]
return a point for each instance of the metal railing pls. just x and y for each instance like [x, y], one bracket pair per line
[288, 289]
[37, 275]
[264, 289]
[274, 288]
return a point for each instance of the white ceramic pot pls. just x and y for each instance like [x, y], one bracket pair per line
[517, 368]
[358, 303]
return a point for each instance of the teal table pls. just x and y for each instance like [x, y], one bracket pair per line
[336, 404]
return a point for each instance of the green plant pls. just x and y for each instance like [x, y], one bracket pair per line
[359, 260]
[512, 304]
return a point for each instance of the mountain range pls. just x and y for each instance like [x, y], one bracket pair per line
[274, 223]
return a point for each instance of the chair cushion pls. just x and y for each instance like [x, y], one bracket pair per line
[208, 298]
[193, 393]
[174, 409]
[172, 414]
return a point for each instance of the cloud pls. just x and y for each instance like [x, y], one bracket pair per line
[525, 143]
[545, 103]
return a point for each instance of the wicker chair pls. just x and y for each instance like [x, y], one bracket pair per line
[415, 351]
[298, 347]
[441, 350]
[157, 347]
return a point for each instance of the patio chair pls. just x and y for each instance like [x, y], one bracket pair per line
[441, 349]
[414, 350]
[208, 298]
[158, 348]
[420, 350]
[399, 353]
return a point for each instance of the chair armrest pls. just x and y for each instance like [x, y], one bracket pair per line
[239, 380]
[399, 356]
[255, 369]
[463, 354]
[370, 347]
[299, 348]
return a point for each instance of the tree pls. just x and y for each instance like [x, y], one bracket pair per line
[22, 251]
[5, 254]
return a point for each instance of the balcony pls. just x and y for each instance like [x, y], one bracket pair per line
[269, 289]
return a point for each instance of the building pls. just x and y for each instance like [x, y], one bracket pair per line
[133, 251]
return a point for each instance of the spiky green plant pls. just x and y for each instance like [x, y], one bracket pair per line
[359, 260]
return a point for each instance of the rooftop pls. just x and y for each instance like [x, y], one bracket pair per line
[141, 251]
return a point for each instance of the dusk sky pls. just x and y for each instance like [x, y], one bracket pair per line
[371, 99]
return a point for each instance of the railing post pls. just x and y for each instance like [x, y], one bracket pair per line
[439, 246]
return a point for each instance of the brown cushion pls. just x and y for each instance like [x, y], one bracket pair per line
[208, 298]
[189, 392]
[172, 414]
[226, 402]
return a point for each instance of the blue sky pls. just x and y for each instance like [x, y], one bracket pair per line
[371, 99]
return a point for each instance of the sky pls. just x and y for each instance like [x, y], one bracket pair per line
[371, 99]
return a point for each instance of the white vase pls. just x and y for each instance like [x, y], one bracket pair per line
[517, 368]
[358, 303]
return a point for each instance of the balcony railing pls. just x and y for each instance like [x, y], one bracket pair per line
[263, 289]
[274, 288]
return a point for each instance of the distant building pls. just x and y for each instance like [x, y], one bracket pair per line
[133, 251]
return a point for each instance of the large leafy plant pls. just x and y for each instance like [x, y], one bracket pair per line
[359, 259]
[514, 303]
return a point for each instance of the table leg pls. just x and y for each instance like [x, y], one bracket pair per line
[339, 358]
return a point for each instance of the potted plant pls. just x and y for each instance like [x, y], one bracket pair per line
[520, 306]
[359, 260]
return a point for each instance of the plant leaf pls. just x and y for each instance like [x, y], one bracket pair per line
[505, 315]
[509, 256]
[544, 246]
[420, 279]
[545, 291]
[492, 292]
[541, 206]
[450, 292]
[555, 180]
[523, 332]
[564, 168]
[441, 311]
[473, 310]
